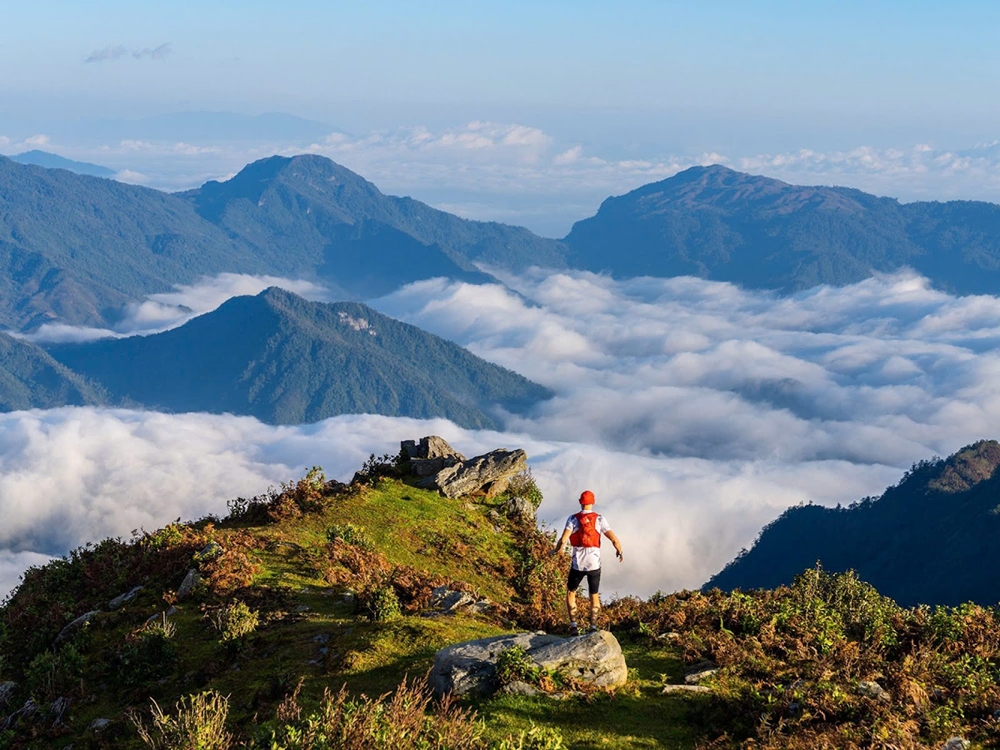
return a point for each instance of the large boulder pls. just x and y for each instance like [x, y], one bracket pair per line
[470, 667]
[490, 473]
[430, 455]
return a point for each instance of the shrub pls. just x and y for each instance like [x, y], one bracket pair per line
[534, 738]
[348, 533]
[55, 673]
[382, 604]
[235, 621]
[198, 723]
[523, 485]
[514, 665]
[397, 721]
[147, 656]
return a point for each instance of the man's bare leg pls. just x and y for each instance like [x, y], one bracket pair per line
[571, 607]
[595, 609]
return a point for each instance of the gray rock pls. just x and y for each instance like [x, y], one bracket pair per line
[449, 600]
[29, 709]
[700, 672]
[686, 689]
[162, 615]
[187, 585]
[210, 551]
[519, 509]
[956, 743]
[429, 447]
[470, 667]
[7, 690]
[120, 601]
[871, 689]
[490, 473]
[520, 688]
[74, 627]
[58, 709]
[99, 725]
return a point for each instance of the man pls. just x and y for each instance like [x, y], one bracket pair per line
[583, 530]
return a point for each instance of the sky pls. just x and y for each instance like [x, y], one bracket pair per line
[606, 96]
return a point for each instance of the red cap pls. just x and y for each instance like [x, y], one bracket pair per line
[587, 498]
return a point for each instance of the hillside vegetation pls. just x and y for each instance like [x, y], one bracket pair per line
[286, 360]
[928, 539]
[314, 600]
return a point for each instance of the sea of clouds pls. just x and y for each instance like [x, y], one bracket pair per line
[696, 411]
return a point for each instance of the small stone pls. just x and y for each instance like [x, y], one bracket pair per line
[302, 608]
[321, 638]
[956, 743]
[700, 672]
[162, 615]
[520, 688]
[686, 689]
[209, 552]
[187, 585]
[98, 725]
[519, 509]
[871, 689]
[120, 601]
[70, 630]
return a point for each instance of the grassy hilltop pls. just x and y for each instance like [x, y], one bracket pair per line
[312, 625]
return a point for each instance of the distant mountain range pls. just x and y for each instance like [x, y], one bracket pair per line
[76, 249]
[283, 360]
[931, 539]
[757, 232]
[54, 161]
[31, 379]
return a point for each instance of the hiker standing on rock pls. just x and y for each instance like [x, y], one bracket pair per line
[583, 530]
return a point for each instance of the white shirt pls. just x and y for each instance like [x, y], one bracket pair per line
[587, 558]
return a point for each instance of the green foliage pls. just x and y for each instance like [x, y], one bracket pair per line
[523, 485]
[31, 379]
[234, 622]
[514, 665]
[54, 673]
[148, 657]
[382, 604]
[401, 720]
[348, 533]
[198, 723]
[533, 738]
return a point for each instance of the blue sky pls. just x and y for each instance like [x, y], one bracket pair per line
[658, 82]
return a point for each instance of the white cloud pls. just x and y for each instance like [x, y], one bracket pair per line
[119, 51]
[166, 310]
[696, 411]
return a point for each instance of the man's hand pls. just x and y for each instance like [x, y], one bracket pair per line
[621, 557]
[556, 550]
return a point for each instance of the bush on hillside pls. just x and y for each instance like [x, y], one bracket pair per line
[401, 720]
[523, 485]
[234, 622]
[348, 533]
[147, 655]
[198, 723]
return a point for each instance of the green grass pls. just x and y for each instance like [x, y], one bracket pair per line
[640, 717]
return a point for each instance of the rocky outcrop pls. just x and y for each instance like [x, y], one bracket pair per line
[192, 579]
[7, 690]
[489, 473]
[470, 667]
[519, 510]
[120, 601]
[74, 627]
[451, 601]
[430, 455]
[440, 467]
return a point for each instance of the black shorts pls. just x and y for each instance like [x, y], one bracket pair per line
[576, 576]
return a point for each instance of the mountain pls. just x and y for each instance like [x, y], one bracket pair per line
[76, 249]
[287, 361]
[346, 226]
[758, 232]
[929, 539]
[54, 161]
[31, 379]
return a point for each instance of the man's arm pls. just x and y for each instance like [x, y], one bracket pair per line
[562, 542]
[618, 545]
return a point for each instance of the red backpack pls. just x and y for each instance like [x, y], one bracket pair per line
[587, 535]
